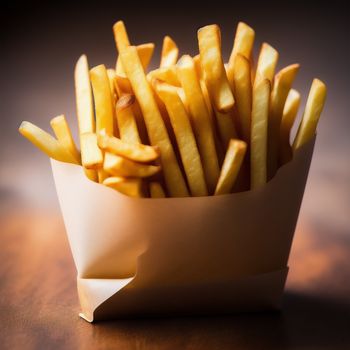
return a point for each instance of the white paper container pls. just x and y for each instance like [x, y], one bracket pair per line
[170, 256]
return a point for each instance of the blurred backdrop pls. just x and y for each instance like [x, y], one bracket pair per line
[41, 42]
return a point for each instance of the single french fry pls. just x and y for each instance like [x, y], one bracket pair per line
[258, 139]
[209, 41]
[206, 97]
[156, 129]
[242, 45]
[166, 74]
[226, 127]
[119, 166]
[282, 84]
[111, 77]
[126, 120]
[170, 52]
[243, 94]
[133, 151]
[313, 110]
[202, 125]
[46, 143]
[267, 62]
[91, 155]
[197, 64]
[289, 114]
[129, 187]
[84, 100]
[232, 164]
[84, 105]
[156, 190]
[103, 99]
[64, 136]
[121, 37]
[185, 138]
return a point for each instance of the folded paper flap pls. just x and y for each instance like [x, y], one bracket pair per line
[247, 293]
[93, 292]
[181, 238]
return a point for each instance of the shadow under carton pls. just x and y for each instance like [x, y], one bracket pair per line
[197, 255]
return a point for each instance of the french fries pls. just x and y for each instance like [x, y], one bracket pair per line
[243, 94]
[258, 138]
[157, 132]
[126, 119]
[313, 110]
[103, 99]
[163, 133]
[91, 154]
[232, 163]
[133, 151]
[282, 85]
[200, 119]
[166, 74]
[242, 45]
[209, 42]
[46, 143]
[289, 114]
[64, 136]
[170, 52]
[267, 63]
[185, 138]
[119, 166]
[121, 38]
[84, 105]
[129, 187]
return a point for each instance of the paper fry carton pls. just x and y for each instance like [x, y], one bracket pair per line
[171, 256]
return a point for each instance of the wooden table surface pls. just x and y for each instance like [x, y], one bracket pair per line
[39, 305]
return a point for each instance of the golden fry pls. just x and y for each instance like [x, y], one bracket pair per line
[145, 51]
[185, 138]
[111, 78]
[46, 143]
[126, 119]
[202, 125]
[232, 164]
[64, 136]
[267, 62]
[282, 85]
[119, 166]
[170, 52]
[91, 155]
[84, 104]
[129, 187]
[242, 45]
[226, 126]
[103, 99]
[209, 41]
[133, 151]
[258, 139]
[243, 94]
[166, 74]
[313, 110]
[289, 114]
[157, 132]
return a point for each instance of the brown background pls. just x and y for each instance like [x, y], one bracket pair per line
[40, 45]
